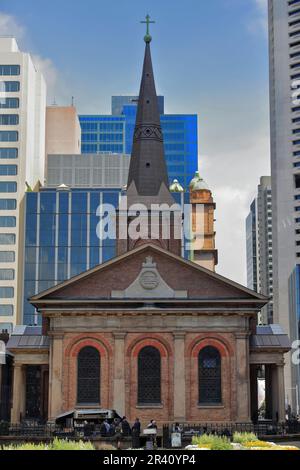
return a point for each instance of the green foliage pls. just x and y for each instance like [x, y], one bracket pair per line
[57, 444]
[27, 446]
[242, 437]
[212, 442]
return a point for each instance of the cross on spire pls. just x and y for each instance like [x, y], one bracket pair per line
[148, 21]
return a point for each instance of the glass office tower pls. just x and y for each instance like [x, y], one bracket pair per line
[114, 133]
[61, 237]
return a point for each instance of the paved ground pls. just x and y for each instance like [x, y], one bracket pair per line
[289, 443]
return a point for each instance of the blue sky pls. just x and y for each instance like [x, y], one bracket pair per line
[210, 58]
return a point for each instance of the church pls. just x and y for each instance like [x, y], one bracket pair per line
[150, 334]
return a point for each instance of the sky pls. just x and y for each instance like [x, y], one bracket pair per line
[210, 58]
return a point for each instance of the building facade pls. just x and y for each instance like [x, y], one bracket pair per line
[260, 246]
[115, 134]
[284, 34]
[96, 171]
[22, 160]
[147, 333]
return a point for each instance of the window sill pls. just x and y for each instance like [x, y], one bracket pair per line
[209, 407]
[149, 406]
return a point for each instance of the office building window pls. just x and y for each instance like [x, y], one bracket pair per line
[297, 181]
[6, 292]
[9, 119]
[7, 239]
[8, 170]
[8, 204]
[9, 136]
[6, 311]
[10, 70]
[7, 274]
[9, 87]
[8, 153]
[8, 221]
[6, 328]
[8, 187]
[9, 103]
[7, 257]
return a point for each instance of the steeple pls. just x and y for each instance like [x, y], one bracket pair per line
[148, 178]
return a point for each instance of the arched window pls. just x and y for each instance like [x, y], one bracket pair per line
[88, 376]
[149, 376]
[210, 389]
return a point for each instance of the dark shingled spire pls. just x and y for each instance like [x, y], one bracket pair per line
[148, 181]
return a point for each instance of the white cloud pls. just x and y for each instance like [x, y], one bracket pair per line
[56, 89]
[9, 26]
[259, 22]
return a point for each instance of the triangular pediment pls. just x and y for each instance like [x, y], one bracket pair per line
[148, 272]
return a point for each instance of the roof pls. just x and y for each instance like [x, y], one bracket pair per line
[28, 337]
[270, 337]
[54, 295]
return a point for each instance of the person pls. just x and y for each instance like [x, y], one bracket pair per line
[103, 430]
[107, 427]
[136, 432]
[153, 425]
[126, 431]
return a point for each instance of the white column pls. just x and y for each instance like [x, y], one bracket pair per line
[179, 378]
[119, 374]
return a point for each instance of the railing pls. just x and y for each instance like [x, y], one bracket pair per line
[49, 431]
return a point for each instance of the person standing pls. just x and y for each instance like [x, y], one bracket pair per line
[136, 432]
[126, 431]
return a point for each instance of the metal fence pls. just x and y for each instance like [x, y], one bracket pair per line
[48, 431]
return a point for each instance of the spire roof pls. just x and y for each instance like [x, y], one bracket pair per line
[148, 180]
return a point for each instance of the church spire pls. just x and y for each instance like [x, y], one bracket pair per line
[148, 178]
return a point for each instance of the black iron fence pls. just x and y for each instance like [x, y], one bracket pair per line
[267, 428]
[49, 431]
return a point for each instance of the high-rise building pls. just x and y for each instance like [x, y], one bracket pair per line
[63, 131]
[260, 248]
[284, 41]
[22, 160]
[99, 170]
[114, 133]
[61, 238]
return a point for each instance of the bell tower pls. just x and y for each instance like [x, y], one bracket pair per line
[203, 250]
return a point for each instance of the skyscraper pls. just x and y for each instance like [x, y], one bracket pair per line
[22, 159]
[259, 246]
[114, 133]
[284, 39]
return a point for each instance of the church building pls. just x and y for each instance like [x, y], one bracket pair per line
[150, 334]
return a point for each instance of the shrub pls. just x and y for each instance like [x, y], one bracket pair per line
[209, 441]
[241, 437]
[59, 444]
[261, 444]
[27, 446]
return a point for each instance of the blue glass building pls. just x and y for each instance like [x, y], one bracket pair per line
[294, 312]
[61, 239]
[114, 133]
